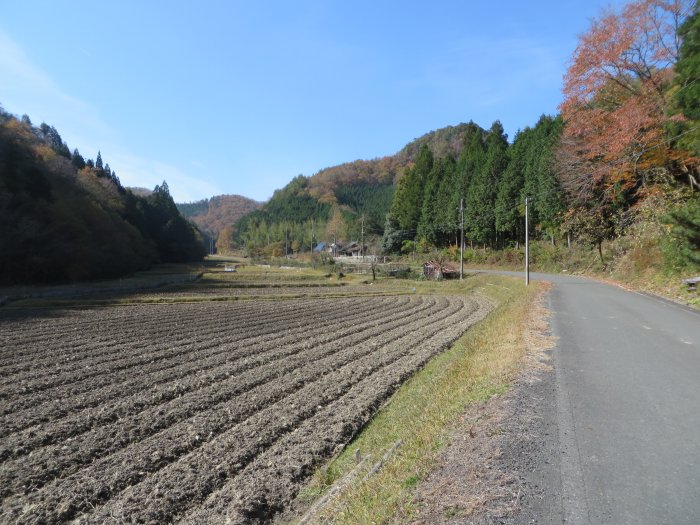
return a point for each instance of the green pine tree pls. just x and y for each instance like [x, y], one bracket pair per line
[481, 197]
[408, 200]
[687, 93]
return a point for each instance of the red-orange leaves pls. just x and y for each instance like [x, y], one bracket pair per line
[614, 105]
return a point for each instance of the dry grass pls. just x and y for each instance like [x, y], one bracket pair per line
[481, 364]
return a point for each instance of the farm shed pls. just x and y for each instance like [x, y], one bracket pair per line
[437, 270]
[351, 249]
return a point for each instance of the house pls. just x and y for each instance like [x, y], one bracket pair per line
[351, 249]
[320, 247]
[439, 270]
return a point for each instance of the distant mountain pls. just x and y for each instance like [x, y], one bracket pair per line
[325, 184]
[214, 214]
[348, 199]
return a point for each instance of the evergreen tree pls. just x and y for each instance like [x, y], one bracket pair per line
[508, 199]
[685, 233]
[432, 226]
[51, 135]
[77, 159]
[98, 163]
[446, 215]
[687, 93]
[481, 196]
[688, 67]
[408, 200]
[471, 160]
[548, 205]
[394, 236]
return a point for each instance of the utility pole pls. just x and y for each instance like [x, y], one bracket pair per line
[461, 239]
[362, 239]
[312, 237]
[286, 242]
[527, 245]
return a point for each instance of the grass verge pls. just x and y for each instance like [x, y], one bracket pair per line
[421, 413]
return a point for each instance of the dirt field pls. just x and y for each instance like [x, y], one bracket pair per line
[204, 412]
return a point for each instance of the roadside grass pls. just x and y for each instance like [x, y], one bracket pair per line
[423, 410]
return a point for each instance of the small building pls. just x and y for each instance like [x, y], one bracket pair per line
[351, 249]
[320, 247]
[439, 270]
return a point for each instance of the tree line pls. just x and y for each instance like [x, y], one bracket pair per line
[67, 219]
[625, 146]
[487, 183]
[295, 218]
[626, 140]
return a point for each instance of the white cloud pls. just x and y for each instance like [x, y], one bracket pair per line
[26, 88]
[136, 171]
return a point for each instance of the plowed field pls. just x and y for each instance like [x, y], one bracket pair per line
[204, 412]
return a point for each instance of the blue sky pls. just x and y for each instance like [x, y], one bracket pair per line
[239, 97]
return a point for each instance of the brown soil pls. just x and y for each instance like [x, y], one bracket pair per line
[204, 413]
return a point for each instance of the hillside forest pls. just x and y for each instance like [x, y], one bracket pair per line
[215, 214]
[620, 160]
[66, 218]
[349, 201]
[620, 157]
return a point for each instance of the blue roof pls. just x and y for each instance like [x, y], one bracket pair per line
[320, 247]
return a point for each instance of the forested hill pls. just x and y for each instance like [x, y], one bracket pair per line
[65, 218]
[337, 202]
[329, 184]
[212, 215]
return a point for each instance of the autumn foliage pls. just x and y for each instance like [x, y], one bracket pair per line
[615, 105]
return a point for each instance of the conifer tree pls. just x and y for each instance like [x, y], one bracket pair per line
[510, 187]
[481, 196]
[548, 204]
[433, 222]
[687, 90]
[408, 201]
[77, 159]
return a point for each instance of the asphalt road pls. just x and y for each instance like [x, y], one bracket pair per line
[627, 403]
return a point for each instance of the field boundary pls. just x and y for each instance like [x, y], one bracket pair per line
[482, 363]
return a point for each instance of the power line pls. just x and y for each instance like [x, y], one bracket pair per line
[670, 139]
[687, 85]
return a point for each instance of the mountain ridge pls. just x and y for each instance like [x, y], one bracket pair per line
[358, 188]
[213, 214]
